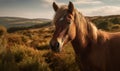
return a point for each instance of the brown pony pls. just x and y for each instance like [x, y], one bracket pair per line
[95, 50]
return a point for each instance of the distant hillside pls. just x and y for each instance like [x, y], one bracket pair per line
[109, 23]
[114, 19]
[21, 22]
[13, 19]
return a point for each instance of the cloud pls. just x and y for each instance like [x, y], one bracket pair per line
[88, 2]
[48, 1]
[28, 14]
[80, 1]
[104, 10]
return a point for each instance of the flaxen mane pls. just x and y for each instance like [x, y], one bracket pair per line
[87, 30]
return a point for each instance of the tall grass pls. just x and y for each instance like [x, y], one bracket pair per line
[3, 40]
[22, 58]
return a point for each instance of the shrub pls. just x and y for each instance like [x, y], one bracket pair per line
[15, 39]
[116, 27]
[3, 31]
[3, 39]
[115, 20]
[39, 45]
[104, 25]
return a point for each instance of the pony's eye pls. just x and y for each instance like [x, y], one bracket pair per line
[61, 19]
[68, 19]
[68, 22]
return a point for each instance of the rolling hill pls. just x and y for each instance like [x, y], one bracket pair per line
[9, 22]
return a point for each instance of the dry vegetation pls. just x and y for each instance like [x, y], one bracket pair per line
[28, 50]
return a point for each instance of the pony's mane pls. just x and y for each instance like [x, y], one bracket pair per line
[88, 31]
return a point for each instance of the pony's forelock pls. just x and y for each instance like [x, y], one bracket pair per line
[59, 13]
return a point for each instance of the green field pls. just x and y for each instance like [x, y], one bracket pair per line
[28, 49]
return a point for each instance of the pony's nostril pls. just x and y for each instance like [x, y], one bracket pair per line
[57, 45]
[54, 46]
[51, 45]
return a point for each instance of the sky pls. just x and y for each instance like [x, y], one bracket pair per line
[43, 8]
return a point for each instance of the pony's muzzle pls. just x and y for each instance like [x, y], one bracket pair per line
[54, 45]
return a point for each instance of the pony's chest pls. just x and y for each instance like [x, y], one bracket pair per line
[97, 58]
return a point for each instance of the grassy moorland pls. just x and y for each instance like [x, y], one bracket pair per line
[28, 49]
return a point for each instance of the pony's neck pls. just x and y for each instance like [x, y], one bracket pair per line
[86, 34]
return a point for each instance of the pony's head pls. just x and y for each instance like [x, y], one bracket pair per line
[64, 26]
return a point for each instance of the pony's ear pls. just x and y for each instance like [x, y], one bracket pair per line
[70, 7]
[55, 6]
